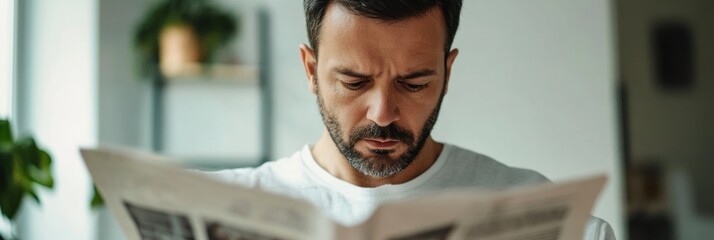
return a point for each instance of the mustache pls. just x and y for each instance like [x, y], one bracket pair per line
[373, 130]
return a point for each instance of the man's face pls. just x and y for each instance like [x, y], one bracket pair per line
[379, 86]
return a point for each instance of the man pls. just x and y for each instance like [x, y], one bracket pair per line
[379, 70]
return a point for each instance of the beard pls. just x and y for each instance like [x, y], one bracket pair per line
[379, 164]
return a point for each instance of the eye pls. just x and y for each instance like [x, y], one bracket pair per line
[354, 85]
[414, 87]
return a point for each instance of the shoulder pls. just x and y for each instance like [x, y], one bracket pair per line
[487, 172]
[598, 229]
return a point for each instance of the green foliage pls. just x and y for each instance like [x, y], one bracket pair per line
[23, 166]
[212, 26]
[97, 200]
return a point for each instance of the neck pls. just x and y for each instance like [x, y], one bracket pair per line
[329, 157]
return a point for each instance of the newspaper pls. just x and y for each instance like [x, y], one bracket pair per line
[151, 199]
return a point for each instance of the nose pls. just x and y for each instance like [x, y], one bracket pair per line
[383, 108]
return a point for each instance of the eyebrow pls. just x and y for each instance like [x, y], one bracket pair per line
[412, 75]
[351, 73]
[418, 74]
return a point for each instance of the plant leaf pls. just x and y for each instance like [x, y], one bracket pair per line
[6, 167]
[97, 199]
[34, 196]
[45, 159]
[10, 201]
[40, 176]
[35, 163]
[5, 131]
[28, 151]
[43, 174]
[22, 164]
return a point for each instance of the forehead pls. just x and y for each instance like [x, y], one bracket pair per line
[344, 34]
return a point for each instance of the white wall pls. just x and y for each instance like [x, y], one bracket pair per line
[533, 86]
[56, 103]
[7, 22]
[297, 120]
[122, 96]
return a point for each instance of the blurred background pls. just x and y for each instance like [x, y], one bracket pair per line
[567, 88]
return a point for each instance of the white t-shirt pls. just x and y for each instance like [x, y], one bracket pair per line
[299, 176]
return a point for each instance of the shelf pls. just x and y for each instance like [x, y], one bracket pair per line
[220, 83]
[215, 74]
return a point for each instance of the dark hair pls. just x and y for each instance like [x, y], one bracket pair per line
[386, 10]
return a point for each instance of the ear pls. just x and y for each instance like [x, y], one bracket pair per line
[309, 61]
[450, 62]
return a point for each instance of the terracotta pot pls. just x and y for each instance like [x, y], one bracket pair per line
[179, 50]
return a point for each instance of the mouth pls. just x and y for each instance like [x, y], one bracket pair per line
[381, 143]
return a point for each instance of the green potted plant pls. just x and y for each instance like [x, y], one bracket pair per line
[176, 33]
[23, 167]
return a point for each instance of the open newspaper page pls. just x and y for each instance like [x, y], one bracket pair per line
[153, 200]
[543, 212]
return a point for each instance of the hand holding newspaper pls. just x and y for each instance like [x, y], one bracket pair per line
[153, 200]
